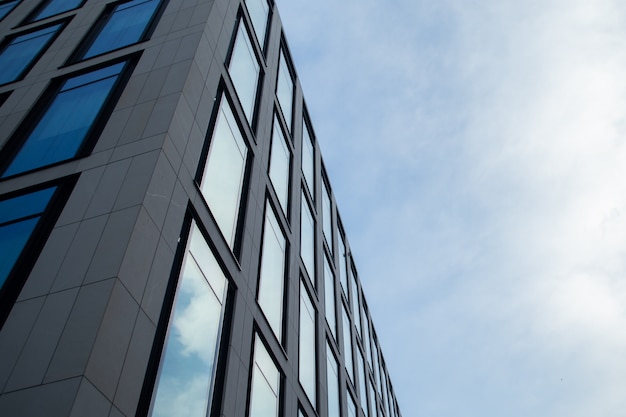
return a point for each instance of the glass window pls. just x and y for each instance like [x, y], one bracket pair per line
[347, 342]
[224, 172]
[18, 218]
[307, 343]
[280, 160]
[258, 10]
[351, 405]
[366, 332]
[307, 238]
[308, 159]
[343, 270]
[327, 216]
[329, 298]
[362, 382]
[7, 7]
[265, 385]
[53, 7]
[272, 272]
[244, 70]
[354, 301]
[332, 378]
[284, 89]
[188, 362]
[123, 25]
[61, 130]
[375, 364]
[372, 399]
[20, 52]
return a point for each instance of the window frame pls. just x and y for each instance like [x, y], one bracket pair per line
[33, 16]
[10, 8]
[21, 135]
[25, 262]
[6, 42]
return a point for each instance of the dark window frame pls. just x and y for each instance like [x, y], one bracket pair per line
[30, 122]
[78, 54]
[29, 255]
[33, 61]
[33, 16]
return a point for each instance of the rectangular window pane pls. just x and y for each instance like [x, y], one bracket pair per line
[329, 298]
[375, 365]
[284, 89]
[54, 7]
[258, 10]
[18, 218]
[351, 405]
[307, 238]
[63, 128]
[244, 70]
[272, 273]
[347, 342]
[280, 160]
[366, 332]
[343, 271]
[21, 51]
[354, 301]
[307, 343]
[327, 216]
[188, 362]
[126, 25]
[362, 382]
[372, 399]
[332, 378]
[308, 159]
[224, 172]
[265, 385]
[5, 8]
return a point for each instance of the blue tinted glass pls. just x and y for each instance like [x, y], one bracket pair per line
[57, 6]
[20, 52]
[6, 8]
[125, 27]
[13, 237]
[25, 205]
[61, 131]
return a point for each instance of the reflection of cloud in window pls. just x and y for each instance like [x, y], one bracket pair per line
[185, 396]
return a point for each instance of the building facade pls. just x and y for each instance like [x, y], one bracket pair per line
[169, 241]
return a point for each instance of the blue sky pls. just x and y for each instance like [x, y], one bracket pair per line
[477, 151]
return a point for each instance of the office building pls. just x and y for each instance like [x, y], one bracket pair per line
[169, 241]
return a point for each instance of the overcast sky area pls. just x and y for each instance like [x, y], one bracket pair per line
[477, 151]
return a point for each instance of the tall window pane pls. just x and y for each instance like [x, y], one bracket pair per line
[354, 301]
[54, 7]
[372, 399]
[60, 132]
[265, 385]
[18, 218]
[188, 361]
[21, 51]
[224, 171]
[329, 297]
[366, 333]
[272, 274]
[284, 89]
[307, 365]
[5, 8]
[307, 238]
[347, 342]
[280, 160]
[126, 24]
[343, 270]
[327, 216]
[258, 10]
[351, 405]
[332, 381]
[308, 159]
[362, 382]
[244, 70]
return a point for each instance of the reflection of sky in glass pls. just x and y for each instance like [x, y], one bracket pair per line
[347, 342]
[284, 90]
[329, 297]
[307, 239]
[258, 10]
[279, 166]
[332, 378]
[308, 159]
[224, 172]
[362, 394]
[187, 364]
[265, 384]
[272, 275]
[326, 217]
[307, 345]
[244, 71]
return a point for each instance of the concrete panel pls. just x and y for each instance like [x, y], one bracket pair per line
[90, 402]
[50, 400]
